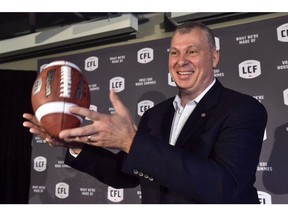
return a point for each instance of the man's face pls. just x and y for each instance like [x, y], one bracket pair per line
[191, 61]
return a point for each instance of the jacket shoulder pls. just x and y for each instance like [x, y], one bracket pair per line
[238, 99]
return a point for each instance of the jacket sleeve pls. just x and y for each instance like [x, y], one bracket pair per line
[104, 165]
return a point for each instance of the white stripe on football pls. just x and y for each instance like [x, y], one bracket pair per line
[55, 107]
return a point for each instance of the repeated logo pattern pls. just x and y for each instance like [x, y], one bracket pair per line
[253, 60]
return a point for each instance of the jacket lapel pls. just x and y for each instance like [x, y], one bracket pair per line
[201, 113]
[167, 122]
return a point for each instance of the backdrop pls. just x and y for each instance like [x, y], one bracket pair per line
[253, 60]
[15, 140]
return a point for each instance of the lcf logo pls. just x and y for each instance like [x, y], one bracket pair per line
[282, 33]
[217, 43]
[40, 164]
[117, 83]
[249, 69]
[171, 81]
[285, 95]
[145, 55]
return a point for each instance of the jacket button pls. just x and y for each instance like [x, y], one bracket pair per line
[151, 179]
[140, 174]
[135, 172]
[146, 176]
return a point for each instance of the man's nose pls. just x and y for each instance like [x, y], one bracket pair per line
[182, 61]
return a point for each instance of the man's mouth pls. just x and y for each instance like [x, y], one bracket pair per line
[185, 72]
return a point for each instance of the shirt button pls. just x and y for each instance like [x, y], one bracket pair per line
[135, 172]
[146, 176]
[140, 174]
[151, 179]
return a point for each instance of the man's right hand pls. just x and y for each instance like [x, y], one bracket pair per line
[35, 128]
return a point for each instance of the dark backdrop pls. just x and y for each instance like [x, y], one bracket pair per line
[15, 140]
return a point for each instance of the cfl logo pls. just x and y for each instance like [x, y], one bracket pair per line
[93, 108]
[91, 63]
[145, 55]
[217, 43]
[117, 83]
[40, 164]
[282, 33]
[264, 198]
[249, 69]
[171, 81]
[285, 95]
[143, 106]
[62, 190]
[115, 195]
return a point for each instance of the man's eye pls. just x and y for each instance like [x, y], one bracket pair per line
[173, 53]
[191, 52]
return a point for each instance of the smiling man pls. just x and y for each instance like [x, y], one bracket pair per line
[201, 146]
[193, 56]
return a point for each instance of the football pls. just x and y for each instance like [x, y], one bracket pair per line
[57, 87]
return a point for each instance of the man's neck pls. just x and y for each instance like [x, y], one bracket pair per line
[185, 98]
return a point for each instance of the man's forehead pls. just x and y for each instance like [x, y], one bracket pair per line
[187, 39]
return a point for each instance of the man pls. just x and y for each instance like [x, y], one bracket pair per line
[201, 146]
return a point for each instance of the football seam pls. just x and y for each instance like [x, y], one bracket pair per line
[55, 107]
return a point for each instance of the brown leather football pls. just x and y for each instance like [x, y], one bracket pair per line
[57, 87]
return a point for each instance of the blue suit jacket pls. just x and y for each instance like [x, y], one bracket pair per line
[214, 159]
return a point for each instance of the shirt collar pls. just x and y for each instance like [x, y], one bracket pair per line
[177, 101]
